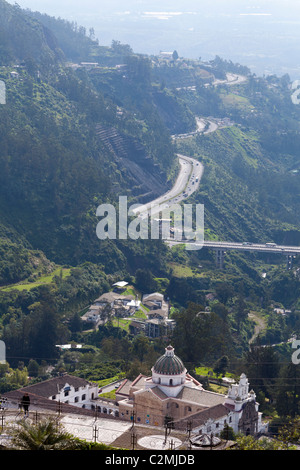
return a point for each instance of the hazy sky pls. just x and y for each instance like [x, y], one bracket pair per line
[263, 34]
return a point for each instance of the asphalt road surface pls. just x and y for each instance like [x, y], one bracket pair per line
[186, 184]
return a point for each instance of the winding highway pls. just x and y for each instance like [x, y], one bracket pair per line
[186, 184]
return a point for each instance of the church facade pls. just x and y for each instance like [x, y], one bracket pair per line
[170, 393]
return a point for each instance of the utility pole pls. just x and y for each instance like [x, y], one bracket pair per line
[2, 420]
[95, 433]
[168, 426]
[59, 408]
[133, 440]
[189, 430]
[171, 445]
[133, 419]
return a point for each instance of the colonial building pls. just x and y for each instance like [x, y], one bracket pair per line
[63, 389]
[172, 393]
[65, 393]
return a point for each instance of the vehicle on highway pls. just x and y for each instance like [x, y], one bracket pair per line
[247, 243]
[271, 244]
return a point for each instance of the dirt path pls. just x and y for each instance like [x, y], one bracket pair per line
[260, 325]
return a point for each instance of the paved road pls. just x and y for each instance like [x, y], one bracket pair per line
[204, 126]
[187, 183]
[268, 247]
[110, 387]
[246, 246]
[232, 79]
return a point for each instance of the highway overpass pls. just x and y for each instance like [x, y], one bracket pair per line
[220, 248]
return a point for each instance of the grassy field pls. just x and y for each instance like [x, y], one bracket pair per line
[182, 270]
[232, 100]
[64, 272]
[208, 371]
[124, 322]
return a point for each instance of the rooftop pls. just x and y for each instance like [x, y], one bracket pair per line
[51, 387]
[169, 363]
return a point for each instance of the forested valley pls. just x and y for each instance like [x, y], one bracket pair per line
[76, 136]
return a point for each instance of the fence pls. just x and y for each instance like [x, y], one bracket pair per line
[93, 427]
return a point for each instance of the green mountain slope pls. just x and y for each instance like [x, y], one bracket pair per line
[74, 136]
[65, 150]
[23, 37]
[250, 186]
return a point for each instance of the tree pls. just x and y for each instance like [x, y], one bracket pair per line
[224, 292]
[287, 400]
[200, 335]
[221, 311]
[75, 323]
[45, 435]
[145, 281]
[289, 434]
[141, 346]
[120, 48]
[33, 368]
[221, 365]
[138, 69]
[227, 433]
[241, 312]
[250, 443]
[261, 365]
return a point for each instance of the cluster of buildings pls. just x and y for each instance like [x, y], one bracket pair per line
[170, 394]
[158, 324]
[171, 390]
[113, 303]
[154, 307]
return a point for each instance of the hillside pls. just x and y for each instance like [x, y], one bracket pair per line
[75, 135]
[65, 149]
[22, 37]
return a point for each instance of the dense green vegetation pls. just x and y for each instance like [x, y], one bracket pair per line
[74, 137]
